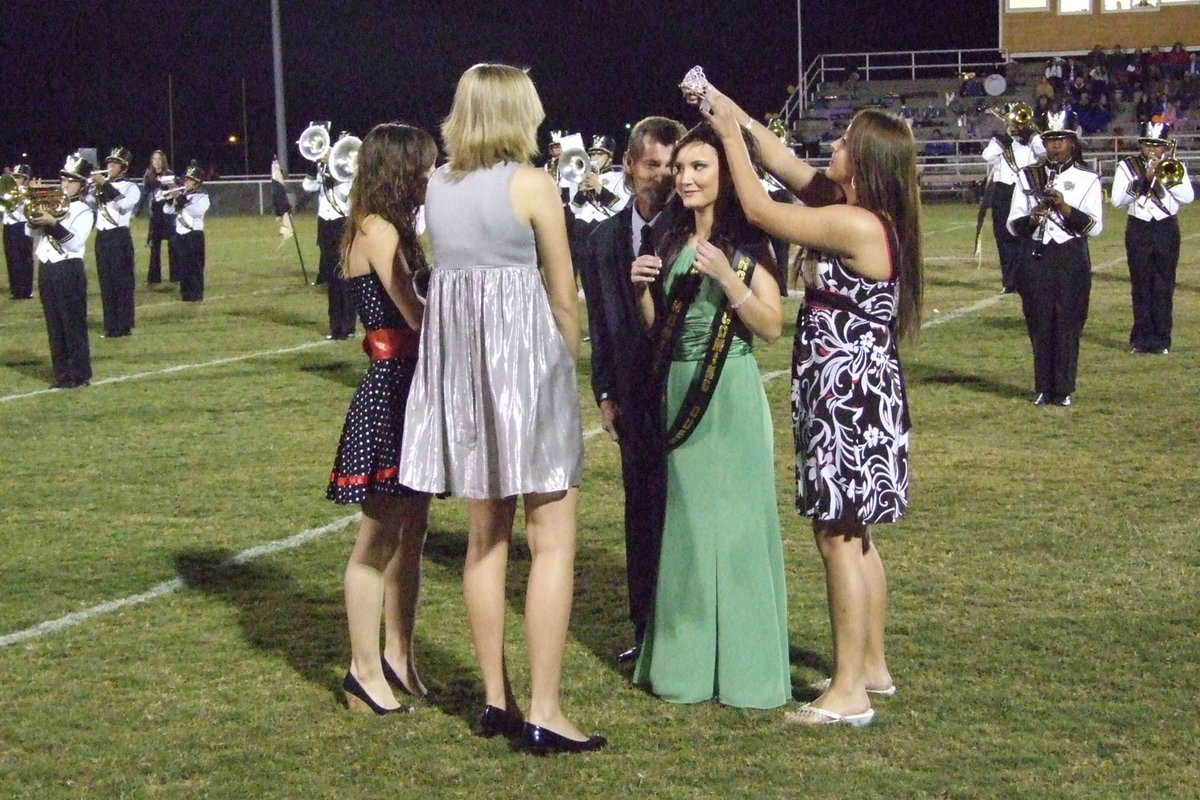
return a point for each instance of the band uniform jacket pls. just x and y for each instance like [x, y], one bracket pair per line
[997, 153]
[599, 206]
[1080, 188]
[190, 215]
[1128, 192]
[333, 197]
[116, 211]
[67, 239]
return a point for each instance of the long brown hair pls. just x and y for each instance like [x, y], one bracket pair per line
[883, 156]
[392, 166]
[730, 229]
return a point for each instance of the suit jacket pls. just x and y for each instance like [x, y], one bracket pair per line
[621, 347]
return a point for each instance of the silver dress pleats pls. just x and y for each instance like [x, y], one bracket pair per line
[494, 405]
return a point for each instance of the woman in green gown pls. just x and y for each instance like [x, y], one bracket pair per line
[719, 626]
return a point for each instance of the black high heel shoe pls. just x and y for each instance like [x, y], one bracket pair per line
[542, 741]
[392, 678]
[358, 700]
[499, 722]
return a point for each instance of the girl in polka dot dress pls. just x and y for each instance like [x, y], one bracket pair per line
[380, 252]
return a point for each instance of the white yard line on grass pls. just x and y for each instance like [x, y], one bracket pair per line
[173, 585]
[177, 368]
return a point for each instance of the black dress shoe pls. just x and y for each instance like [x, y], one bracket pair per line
[357, 698]
[630, 655]
[392, 678]
[542, 741]
[498, 722]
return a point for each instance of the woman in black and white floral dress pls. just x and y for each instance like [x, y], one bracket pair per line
[862, 293]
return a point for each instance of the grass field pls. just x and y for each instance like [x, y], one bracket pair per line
[1044, 628]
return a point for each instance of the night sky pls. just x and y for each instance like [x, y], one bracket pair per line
[95, 74]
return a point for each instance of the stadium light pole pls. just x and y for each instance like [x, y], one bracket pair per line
[281, 148]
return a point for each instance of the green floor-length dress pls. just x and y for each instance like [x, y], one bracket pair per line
[719, 626]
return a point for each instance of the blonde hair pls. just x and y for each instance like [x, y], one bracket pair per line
[495, 117]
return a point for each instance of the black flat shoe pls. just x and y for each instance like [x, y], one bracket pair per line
[542, 741]
[358, 700]
[392, 678]
[498, 722]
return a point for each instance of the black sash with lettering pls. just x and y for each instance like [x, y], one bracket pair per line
[704, 382]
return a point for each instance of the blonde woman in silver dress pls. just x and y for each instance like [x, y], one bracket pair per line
[493, 413]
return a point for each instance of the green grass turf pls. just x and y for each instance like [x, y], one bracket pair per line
[1043, 621]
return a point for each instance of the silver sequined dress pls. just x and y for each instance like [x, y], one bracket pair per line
[494, 405]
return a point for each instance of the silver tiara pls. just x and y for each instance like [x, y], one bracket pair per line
[695, 81]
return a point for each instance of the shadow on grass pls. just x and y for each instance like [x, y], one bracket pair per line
[278, 317]
[346, 373]
[812, 660]
[932, 374]
[599, 614]
[28, 364]
[308, 630]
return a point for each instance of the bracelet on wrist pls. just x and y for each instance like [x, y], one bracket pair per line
[742, 302]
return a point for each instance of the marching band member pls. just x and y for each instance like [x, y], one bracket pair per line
[1006, 154]
[62, 283]
[116, 198]
[188, 205]
[1060, 205]
[553, 151]
[162, 225]
[598, 195]
[18, 247]
[601, 193]
[1152, 189]
[333, 204]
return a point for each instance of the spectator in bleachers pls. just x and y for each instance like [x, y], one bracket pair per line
[1076, 89]
[1096, 57]
[1170, 115]
[1144, 109]
[1117, 60]
[1074, 70]
[1176, 62]
[1041, 106]
[971, 86]
[1189, 91]
[1193, 67]
[1135, 72]
[1094, 115]
[1054, 73]
[1098, 81]
[1155, 60]
[938, 147]
[1044, 89]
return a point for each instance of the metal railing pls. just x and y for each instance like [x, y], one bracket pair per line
[894, 65]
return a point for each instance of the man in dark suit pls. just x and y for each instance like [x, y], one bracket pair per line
[621, 354]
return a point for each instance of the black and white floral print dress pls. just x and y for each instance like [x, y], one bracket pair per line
[848, 404]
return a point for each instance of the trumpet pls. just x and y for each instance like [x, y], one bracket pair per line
[1015, 115]
[173, 193]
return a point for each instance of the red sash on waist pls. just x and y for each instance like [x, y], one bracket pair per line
[388, 343]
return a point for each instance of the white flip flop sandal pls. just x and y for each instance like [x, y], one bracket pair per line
[809, 714]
